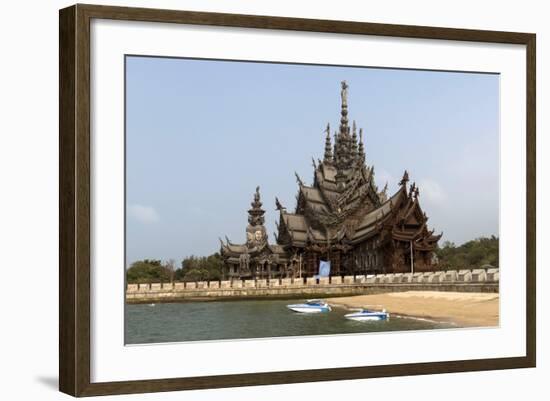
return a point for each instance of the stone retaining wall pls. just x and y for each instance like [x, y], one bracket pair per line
[477, 280]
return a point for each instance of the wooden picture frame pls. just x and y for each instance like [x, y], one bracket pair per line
[74, 199]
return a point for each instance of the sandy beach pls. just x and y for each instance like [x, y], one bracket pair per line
[462, 308]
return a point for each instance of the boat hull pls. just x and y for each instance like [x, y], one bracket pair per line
[308, 309]
[363, 317]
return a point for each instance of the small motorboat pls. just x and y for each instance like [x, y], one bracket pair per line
[368, 315]
[310, 306]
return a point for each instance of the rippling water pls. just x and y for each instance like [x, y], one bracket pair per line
[192, 321]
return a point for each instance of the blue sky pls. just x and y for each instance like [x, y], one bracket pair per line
[201, 135]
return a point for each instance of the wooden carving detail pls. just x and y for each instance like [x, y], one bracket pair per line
[342, 217]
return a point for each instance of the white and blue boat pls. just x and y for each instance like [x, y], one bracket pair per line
[368, 315]
[310, 306]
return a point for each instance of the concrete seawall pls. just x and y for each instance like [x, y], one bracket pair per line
[456, 281]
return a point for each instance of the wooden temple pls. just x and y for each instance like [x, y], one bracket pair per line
[342, 217]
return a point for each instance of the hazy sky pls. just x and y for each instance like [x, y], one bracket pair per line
[201, 135]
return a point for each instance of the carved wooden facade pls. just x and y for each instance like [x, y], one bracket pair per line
[342, 217]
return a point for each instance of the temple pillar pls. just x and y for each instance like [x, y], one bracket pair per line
[313, 267]
[335, 263]
[311, 263]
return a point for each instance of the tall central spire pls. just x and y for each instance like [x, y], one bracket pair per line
[344, 147]
[344, 128]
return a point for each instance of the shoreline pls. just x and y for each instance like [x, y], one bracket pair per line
[394, 315]
[460, 308]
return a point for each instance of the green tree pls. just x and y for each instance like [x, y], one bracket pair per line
[476, 253]
[146, 271]
[193, 268]
[197, 274]
[201, 268]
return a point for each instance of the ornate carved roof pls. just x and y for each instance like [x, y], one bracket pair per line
[343, 205]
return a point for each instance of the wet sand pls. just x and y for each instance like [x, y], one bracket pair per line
[462, 308]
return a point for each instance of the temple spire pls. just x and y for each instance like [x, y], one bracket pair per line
[328, 146]
[256, 213]
[345, 149]
[344, 128]
[335, 152]
[361, 150]
[354, 140]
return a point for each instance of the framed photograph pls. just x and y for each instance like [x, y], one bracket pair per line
[250, 200]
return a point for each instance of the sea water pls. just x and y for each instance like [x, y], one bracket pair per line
[213, 320]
